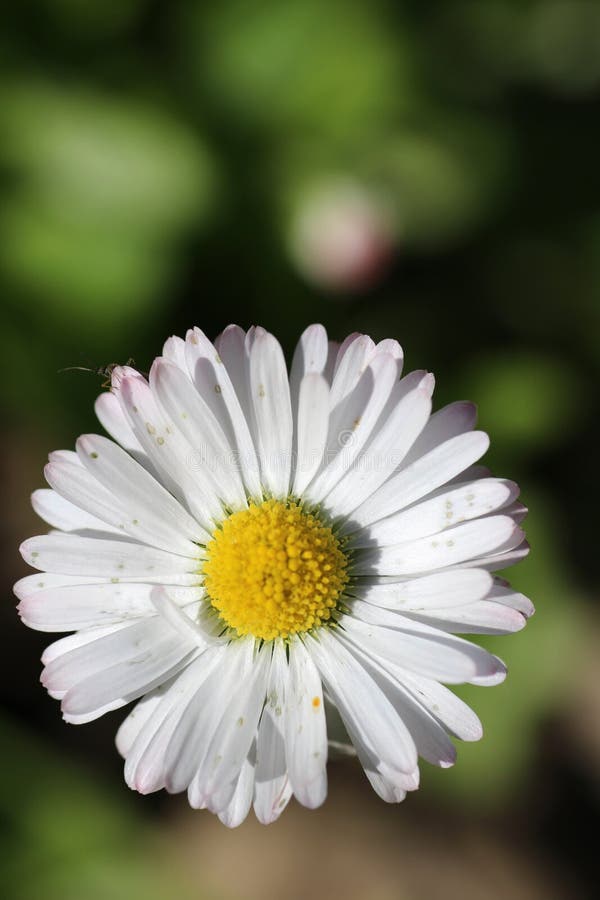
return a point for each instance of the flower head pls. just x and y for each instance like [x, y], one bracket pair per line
[272, 567]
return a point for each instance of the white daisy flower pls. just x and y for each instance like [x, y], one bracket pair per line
[273, 567]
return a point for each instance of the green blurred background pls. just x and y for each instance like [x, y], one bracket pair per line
[424, 171]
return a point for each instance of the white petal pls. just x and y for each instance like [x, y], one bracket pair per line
[483, 617]
[79, 639]
[353, 357]
[195, 420]
[123, 664]
[95, 713]
[446, 423]
[71, 554]
[231, 349]
[119, 373]
[517, 511]
[497, 561]
[63, 514]
[132, 725]
[213, 381]
[186, 621]
[32, 584]
[235, 345]
[421, 648]
[431, 741]
[388, 783]
[112, 417]
[422, 477]
[116, 687]
[310, 358]
[229, 343]
[229, 744]
[146, 766]
[385, 787]
[448, 507]
[453, 713]
[472, 473]
[272, 789]
[73, 607]
[77, 486]
[190, 742]
[502, 593]
[311, 428]
[419, 378]
[456, 545]
[389, 345]
[68, 456]
[311, 353]
[368, 716]
[153, 515]
[344, 345]
[174, 351]
[170, 453]
[391, 439]
[305, 730]
[333, 349]
[351, 423]
[270, 397]
[441, 590]
[239, 806]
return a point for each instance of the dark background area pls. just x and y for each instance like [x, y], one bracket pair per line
[427, 172]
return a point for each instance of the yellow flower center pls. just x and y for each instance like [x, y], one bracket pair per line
[273, 570]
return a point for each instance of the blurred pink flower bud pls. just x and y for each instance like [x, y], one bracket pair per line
[342, 236]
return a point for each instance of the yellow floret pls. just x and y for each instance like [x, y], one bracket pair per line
[273, 570]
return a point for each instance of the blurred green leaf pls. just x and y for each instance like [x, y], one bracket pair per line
[93, 18]
[562, 43]
[98, 159]
[442, 177]
[90, 274]
[105, 190]
[332, 68]
[70, 837]
[527, 400]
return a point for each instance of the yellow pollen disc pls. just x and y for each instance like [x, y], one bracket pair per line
[273, 570]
